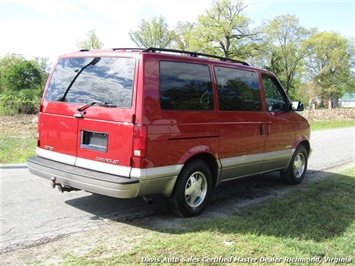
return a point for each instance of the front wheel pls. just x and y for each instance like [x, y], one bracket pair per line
[192, 190]
[297, 168]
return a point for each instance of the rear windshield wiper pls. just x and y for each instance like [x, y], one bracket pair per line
[92, 62]
[87, 105]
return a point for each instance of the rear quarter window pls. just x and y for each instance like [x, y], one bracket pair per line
[185, 86]
[82, 80]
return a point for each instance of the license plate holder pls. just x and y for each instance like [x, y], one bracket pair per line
[91, 140]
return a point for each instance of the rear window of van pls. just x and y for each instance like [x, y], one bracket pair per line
[83, 80]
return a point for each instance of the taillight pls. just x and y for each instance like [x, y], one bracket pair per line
[140, 141]
[38, 140]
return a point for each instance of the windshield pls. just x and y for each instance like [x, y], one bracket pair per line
[78, 80]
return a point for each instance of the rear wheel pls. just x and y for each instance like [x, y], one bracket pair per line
[297, 168]
[192, 190]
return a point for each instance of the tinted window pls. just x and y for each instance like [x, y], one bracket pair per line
[276, 100]
[82, 80]
[185, 86]
[238, 90]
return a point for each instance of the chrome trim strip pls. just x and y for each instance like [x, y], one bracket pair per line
[55, 156]
[156, 172]
[242, 160]
[275, 155]
[103, 167]
[256, 158]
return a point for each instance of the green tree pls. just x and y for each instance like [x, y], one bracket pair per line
[44, 67]
[329, 63]
[43, 63]
[184, 36]
[283, 48]
[22, 75]
[21, 82]
[154, 33]
[5, 63]
[91, 41]
[225, 30]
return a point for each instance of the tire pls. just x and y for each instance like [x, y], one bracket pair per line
[192, 190]
[297, 168]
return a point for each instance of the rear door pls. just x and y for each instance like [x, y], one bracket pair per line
[104, 142]
[89, 112]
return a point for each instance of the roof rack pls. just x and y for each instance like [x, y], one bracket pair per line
[129, 49]
[194, 54]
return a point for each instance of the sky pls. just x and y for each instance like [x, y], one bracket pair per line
[53, 27]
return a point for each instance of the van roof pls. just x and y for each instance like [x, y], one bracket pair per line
[167, 51]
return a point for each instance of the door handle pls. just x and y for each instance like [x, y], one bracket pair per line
[264, 128]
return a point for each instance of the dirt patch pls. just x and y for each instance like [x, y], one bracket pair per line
[18, 126]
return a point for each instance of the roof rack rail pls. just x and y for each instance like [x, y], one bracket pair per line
[194, 54]
[129, 49]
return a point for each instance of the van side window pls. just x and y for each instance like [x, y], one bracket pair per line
[276, 99]
[238, 90]
[185, 86]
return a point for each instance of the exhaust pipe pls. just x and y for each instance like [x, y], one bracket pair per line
[147, 199]
[62, 188]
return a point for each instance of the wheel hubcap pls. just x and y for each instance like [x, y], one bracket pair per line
[299, 165]
[196, 189]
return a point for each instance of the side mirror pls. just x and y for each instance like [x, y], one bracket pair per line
[297, 106]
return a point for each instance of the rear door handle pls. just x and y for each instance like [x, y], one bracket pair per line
[268, 129]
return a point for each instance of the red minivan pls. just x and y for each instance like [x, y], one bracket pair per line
[136, 122]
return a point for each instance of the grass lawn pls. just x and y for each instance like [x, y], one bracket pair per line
[16, 150]
[315, 223]
[322, 125]
[17, 138]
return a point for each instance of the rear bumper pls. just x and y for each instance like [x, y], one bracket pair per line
[84, 179]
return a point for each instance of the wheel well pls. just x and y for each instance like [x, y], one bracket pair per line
[306, 144]
[210, 161]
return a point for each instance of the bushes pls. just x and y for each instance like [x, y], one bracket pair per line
[24, 102]
[21, 84]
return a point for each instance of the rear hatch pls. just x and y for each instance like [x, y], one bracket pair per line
[87, 111]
